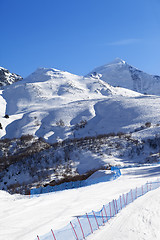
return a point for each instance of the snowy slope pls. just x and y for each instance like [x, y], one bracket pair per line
[38, 103]
[140, 220]
[58, 105]
[24, 217]
[120, 73]
[50, 103]
[7, 78]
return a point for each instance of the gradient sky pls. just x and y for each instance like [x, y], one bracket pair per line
[79, 35]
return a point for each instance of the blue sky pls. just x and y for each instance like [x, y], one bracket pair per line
[79, 35]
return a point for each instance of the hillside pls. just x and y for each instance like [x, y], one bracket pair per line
[59, 129]
[56, 125]
[37, 104]
[28, 162]
[57, 105]
[120, 73]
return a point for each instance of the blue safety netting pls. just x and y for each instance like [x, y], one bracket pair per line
[115, 173]
[86, 224]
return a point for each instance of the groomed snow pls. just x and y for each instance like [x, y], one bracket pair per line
[139, 220]
[24, 217]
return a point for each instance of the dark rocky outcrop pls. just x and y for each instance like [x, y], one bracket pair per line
[7, 78]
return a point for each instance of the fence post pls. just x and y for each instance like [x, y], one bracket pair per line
[136, 193]
[147, 186]
[53, 234]
[105, 212]
[124, 200]
[110, 209]
[95, 219]
[89, 223]
[74, 231]
[81, 227]
[131, 195]
[142, 189]
[113, 203]
[117, 206]
[102, 216]
[120, 202]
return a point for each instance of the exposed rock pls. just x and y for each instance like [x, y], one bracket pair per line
[7, 78]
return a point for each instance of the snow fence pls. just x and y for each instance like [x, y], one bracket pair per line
[115, 173]
[84, 225]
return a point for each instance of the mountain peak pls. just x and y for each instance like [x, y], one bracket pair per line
[117, 61]
[44, 74]
[119, 73]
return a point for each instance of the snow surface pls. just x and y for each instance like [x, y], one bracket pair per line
[52, 104]
[120, 73]
[38, 103]
[139, 220]
[23, 217]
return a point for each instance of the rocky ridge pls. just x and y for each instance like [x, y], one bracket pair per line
[7, 78]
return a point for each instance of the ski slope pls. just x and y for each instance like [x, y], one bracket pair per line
[139, 220]
[23, 217]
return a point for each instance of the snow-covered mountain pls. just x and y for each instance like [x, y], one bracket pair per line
[120, 73]
[40, 103]
[57, 105]
[7, 78]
